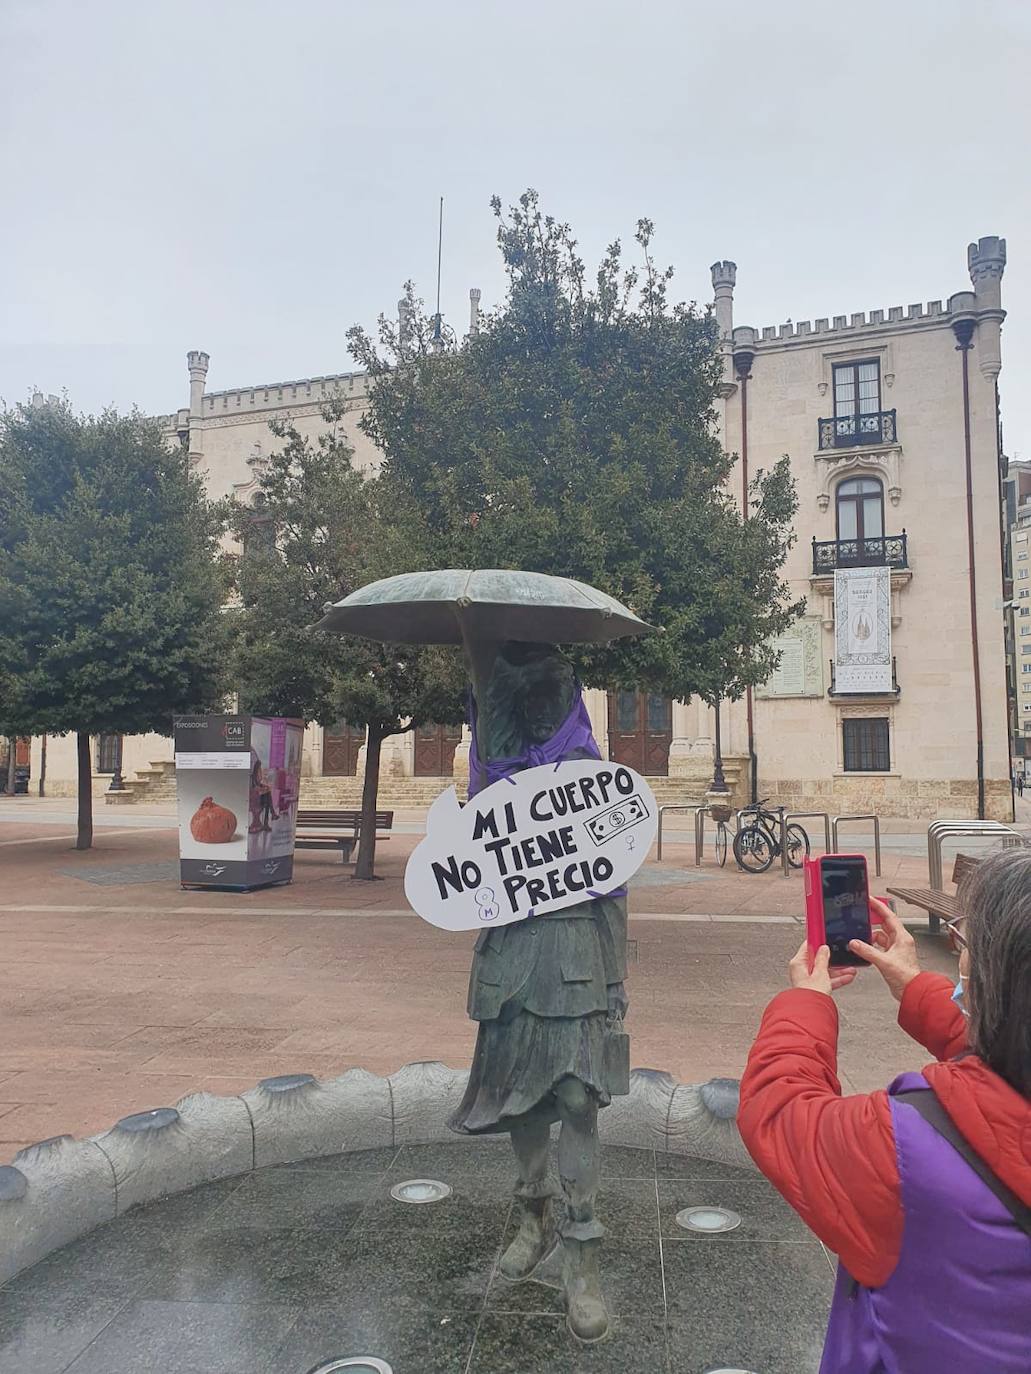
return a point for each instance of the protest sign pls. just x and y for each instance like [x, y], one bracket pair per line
[537, 841]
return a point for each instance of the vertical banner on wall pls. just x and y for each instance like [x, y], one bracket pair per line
[862, 630]
[237, 781]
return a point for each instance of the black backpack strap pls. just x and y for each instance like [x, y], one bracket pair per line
[926, 1104]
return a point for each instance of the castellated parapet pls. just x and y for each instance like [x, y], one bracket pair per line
[276, 395]
[917, 314]
[986, 261]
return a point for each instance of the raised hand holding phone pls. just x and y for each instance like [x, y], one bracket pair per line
[837, 907]
[815, 973]
[892, 950]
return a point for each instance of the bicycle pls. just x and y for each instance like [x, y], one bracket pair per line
[757, 843]
[721, 815]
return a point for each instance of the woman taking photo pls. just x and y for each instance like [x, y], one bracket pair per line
[923, 1190]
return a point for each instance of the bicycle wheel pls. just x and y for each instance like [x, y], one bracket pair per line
[721, 843]
[798, 845]
[752, 849]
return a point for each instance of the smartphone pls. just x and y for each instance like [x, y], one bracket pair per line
[837, 904]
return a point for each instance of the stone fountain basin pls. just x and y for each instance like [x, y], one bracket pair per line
[258, 1233]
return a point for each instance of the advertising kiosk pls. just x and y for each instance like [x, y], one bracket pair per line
[237, 782]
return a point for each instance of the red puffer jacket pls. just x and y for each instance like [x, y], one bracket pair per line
[834, 1158]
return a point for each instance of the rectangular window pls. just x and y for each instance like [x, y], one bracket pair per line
[627, 712]
[1023, 592]
[866, 744]
[107, 753]
[1022, 573]
[1025, 648]
[1025, 629]
[1022, 555]
[857, 389]
[1025, 667]
[1021, 538]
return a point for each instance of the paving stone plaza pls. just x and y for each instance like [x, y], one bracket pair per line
[124, 995]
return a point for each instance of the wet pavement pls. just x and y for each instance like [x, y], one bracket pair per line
[119, 992]
[284, 1269]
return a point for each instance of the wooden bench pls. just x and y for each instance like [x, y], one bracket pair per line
[938, 904]
[308, 820]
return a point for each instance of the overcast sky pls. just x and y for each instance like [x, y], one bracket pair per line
[252, 178]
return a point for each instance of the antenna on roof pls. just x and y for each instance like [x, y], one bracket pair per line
[438, 325]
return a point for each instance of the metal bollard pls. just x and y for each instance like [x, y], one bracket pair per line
[876, 835]
[815, 815]
[675, 807]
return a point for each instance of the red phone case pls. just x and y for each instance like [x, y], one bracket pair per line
[815, 929]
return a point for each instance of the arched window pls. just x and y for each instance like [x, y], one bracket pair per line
[259, 535]
[859, 506]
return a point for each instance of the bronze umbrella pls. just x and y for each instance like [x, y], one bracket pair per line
[455, 605]
[481, 609]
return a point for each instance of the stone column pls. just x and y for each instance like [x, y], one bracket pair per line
[597, 703]
[986, 260]
[703, 744]
[474, 309]
[724, 275]
[197, 363]
[395, 753]
[680, 746]
[311, 753]
[460, 768]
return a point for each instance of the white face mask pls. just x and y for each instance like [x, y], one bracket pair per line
[959, 994]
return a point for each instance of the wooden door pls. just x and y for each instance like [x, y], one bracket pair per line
[640, 731]
[340, 745]
[435, 749]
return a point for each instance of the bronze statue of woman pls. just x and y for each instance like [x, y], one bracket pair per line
[548, 995]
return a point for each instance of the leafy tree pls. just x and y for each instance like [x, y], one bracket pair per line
[110, 585]
[315, 533]
[575, 434]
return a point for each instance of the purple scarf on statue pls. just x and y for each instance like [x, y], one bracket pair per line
[572, 736]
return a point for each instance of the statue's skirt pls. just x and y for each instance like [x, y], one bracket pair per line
[518, 1062]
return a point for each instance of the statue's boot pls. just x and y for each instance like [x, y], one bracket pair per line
[586, 1312]
[534, 1240]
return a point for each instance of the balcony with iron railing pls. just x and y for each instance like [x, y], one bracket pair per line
[873, 551]
[855, 431]
[887, 695]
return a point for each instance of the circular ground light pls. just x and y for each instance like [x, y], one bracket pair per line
[725, 1369]
[420, 1190]
[357, 1364]
[709, 1221]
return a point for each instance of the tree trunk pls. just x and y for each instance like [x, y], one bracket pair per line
[366, 864]
[85, 838]
[43, 767]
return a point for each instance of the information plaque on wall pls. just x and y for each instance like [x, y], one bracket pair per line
[800, 670]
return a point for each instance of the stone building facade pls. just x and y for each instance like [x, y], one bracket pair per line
[890, 421]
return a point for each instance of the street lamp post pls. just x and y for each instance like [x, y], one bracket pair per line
[719, 782]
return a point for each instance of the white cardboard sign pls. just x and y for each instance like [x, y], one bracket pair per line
[544, 839]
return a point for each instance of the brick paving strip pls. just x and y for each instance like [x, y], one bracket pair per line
[118, 995]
